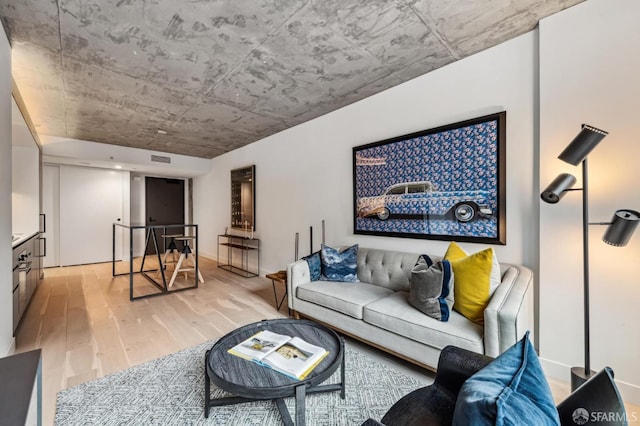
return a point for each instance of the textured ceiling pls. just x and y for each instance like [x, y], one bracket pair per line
[220, 74]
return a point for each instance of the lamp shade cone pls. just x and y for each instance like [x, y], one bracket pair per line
[622, 225]
[557, 188]
[582, 144]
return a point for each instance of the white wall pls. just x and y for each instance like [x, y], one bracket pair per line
[589, 73]
[304, 174]
[80, 205]
[137, 194]
[6, 278]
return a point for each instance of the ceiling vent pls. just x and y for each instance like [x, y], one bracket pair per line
[160, 159]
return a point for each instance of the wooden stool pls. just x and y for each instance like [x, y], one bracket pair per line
[172, 248]
[184, 257]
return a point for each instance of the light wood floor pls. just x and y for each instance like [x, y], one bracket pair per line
[85, 324]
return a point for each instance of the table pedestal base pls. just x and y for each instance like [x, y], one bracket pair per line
[300, 395]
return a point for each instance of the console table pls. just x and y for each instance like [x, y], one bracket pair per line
[249, 249]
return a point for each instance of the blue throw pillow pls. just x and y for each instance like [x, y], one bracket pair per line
[313, 260]
[339, 265]
[511, 390]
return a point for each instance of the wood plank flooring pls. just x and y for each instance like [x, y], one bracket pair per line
[85, 324]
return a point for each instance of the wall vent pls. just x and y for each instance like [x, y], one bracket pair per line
[160, 159]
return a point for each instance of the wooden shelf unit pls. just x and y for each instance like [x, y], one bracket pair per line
[249, 250]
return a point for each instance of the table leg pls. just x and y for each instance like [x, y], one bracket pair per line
[275, 295]
[342, 375]
[300, 406]
[207, 387]
[284, 412]
[278, 304]
[175, 271]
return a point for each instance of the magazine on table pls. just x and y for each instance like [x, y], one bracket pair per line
[288, 355]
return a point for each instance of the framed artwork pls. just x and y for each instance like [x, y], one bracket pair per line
[446, 183]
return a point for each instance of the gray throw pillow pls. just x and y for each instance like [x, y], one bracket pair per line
[431, 290]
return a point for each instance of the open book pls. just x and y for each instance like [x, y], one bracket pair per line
[288, 355]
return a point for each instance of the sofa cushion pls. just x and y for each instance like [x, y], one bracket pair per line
[431, 289]
[394, 314]
[476, 278]
[346, 298]
[339, 265]
[512, 389]
[315, 265]
[391, 269]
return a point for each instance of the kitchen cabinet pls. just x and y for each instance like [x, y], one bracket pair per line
[25, 276]
[25, 176]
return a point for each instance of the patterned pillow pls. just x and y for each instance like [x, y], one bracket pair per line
[339, 265]
[431, 290]
[313, 260]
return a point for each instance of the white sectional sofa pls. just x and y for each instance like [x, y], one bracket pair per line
[376, 311]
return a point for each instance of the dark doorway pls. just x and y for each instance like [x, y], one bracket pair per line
[164, 204]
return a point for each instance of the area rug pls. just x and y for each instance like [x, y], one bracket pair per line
[170, 391]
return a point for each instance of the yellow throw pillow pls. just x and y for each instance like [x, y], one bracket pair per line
[475, 278]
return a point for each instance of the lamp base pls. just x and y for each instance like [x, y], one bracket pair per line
[579, 375]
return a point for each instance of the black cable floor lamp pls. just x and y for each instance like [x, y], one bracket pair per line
[618, 233]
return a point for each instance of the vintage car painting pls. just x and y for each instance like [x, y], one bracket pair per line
[422, 199]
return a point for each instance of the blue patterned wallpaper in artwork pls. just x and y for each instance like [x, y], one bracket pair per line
[461, 159]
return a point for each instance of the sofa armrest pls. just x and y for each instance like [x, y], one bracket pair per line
[456, 365]
[297, 273]
[509, 313]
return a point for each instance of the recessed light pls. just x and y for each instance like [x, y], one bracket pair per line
[118, 166]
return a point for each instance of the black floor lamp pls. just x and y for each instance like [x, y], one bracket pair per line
[617, 234]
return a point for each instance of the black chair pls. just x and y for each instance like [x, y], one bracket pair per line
[434, 404]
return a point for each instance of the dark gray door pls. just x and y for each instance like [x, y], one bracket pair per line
[164, 204]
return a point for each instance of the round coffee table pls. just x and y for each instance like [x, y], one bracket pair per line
[248, 381]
